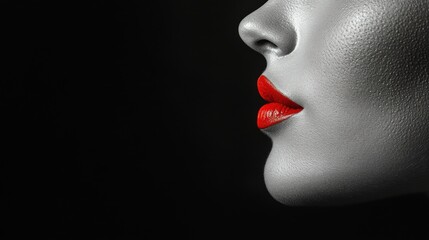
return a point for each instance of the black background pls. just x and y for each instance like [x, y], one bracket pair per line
[136, 120]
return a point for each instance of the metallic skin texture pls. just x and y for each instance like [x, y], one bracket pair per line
[360, 70]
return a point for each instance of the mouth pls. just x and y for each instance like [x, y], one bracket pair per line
[278, 108]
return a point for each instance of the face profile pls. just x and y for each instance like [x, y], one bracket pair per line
[347, 98]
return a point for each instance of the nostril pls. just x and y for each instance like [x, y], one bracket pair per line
[265, 45]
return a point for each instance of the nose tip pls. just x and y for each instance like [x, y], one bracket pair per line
[267, 34]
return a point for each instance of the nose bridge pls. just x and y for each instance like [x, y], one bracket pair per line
[268, 30]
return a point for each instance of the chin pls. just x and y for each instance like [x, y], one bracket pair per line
[295, 195]
[304, 185]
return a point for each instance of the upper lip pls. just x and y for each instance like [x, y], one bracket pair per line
[270, 94]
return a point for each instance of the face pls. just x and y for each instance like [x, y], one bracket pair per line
[360, 72]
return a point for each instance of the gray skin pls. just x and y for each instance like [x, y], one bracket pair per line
[360, 69]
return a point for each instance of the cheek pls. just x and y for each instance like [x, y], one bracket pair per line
[368, 75]
[372, 56]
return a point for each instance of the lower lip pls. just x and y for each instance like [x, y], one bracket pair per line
[273, 113]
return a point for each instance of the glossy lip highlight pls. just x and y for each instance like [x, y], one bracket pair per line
[278, 108]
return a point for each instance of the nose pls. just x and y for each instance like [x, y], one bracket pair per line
[268, 31]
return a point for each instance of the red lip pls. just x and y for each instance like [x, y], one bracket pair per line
[278, 108]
